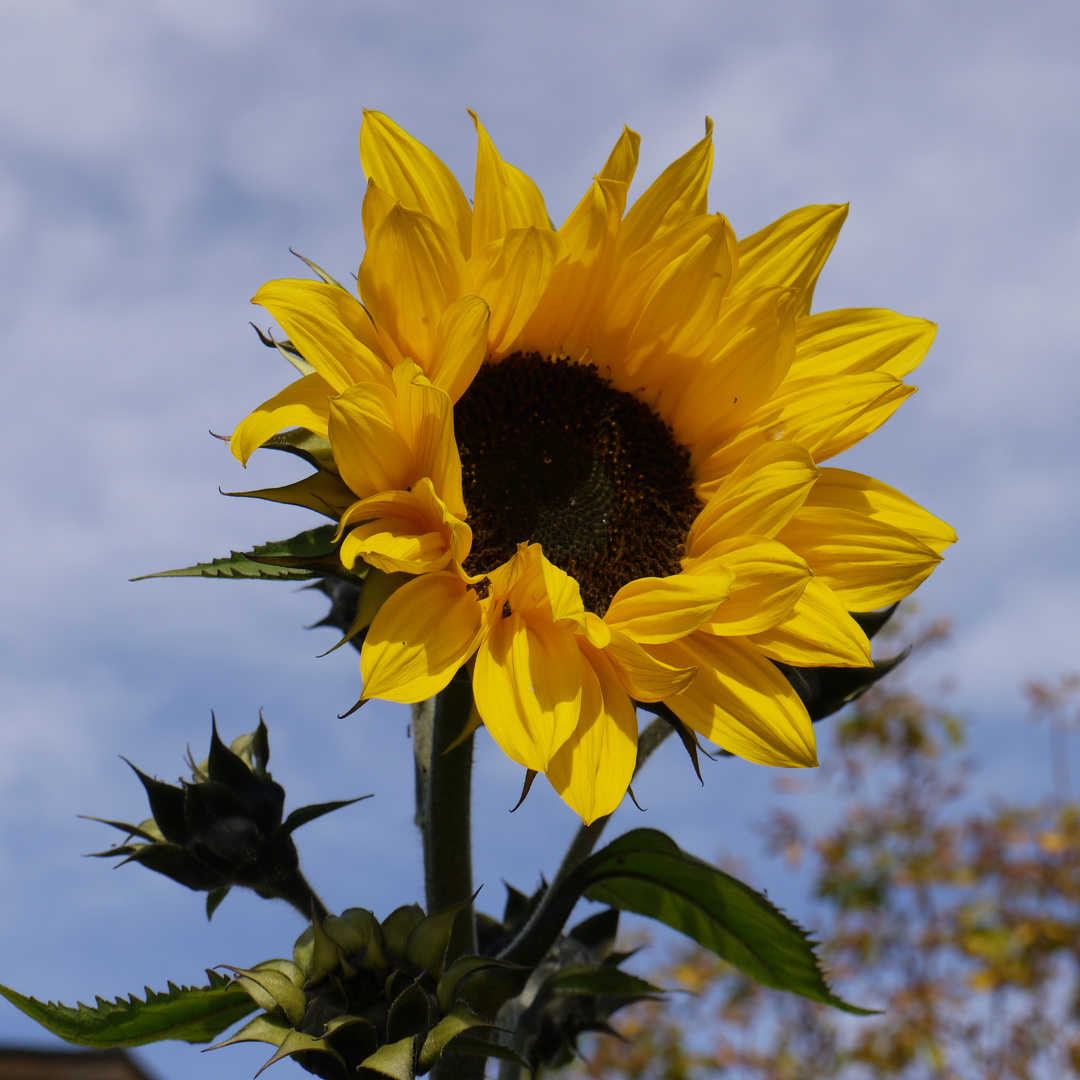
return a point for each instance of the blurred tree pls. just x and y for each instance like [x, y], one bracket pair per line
[959, 920]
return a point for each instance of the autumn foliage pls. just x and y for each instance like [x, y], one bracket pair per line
[956, 915]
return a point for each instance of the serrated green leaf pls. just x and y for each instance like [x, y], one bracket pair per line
[647, 873]
[194, 1014]
[309, 546]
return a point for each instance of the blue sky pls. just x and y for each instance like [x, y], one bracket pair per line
[157, 160]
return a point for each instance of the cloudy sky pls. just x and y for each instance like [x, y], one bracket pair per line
[157, 160]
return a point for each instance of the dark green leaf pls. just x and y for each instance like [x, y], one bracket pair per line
[304, 814]
[194, 1014]
[590, 979]
[314, 449]
[598, 932]
[467, 1044]
[646, 872]
[214, 898]
[314, 544]
[396, 1060]
[166, 806]
[177, 863]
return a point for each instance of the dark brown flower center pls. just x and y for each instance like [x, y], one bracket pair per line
[552, 453]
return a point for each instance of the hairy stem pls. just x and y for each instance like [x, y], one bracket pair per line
[445, 788]
[443, 813]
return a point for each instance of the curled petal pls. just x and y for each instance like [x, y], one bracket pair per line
[741, 702]
[594, 767]
[512, 275]
[869, 564]
[414, 176]
[527, 686]
[824, 415]
[504, 198]
[769, 579]
[412, 272]
[817, 632]
[304, 403]
[642, 675]
[649, 610]
[329, 327]
[407, 531]
[420, 637]
[757, 499]
[841, 489]
[461, 344]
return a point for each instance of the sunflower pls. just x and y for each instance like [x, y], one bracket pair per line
[589, 458]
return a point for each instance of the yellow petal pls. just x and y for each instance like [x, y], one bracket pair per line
[412, 272]
[460, 345]
[740, 701]
[678, 193]
[791, 251]
[563, 594]
[868, 563]
[661, 609]
[757, 335]
[422, 634]
[504, 198]
[329, 327]
[769, 579]
[425, 419]
[414, 176]
[527, 686]
[404, 531]
[853, 341]
[820, 414]
[757, 499]
[871, 498]
[623, 159]
[632, 279]
[387, 439]
[377, 204]
[681, 310]
[642, 675]
[304, 403]
[530, 584]
[512, 274]
[818, 632]
[371, 454]
[564, 319]
[594, 767]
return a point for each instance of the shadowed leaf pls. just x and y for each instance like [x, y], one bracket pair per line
[647, 873]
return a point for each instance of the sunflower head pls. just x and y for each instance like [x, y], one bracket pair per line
[590, 458]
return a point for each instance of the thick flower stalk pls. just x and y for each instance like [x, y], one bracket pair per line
[591, 457]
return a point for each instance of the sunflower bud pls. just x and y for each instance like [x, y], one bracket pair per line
[575, 989]
[225, 827]
[360, 994]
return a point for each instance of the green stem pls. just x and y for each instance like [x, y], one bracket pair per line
[443, 813]
[444, 793]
